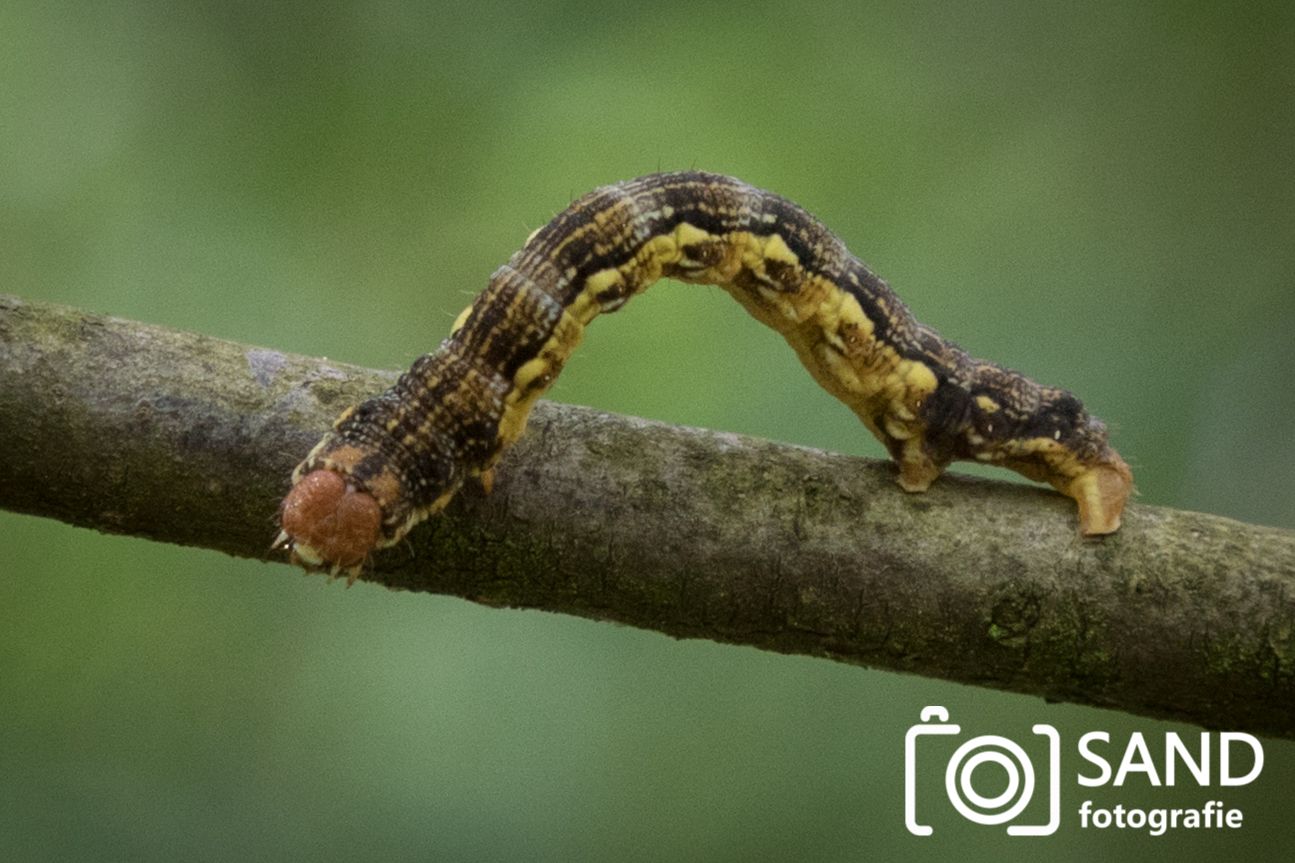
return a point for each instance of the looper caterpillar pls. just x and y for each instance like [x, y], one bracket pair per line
[398, 458]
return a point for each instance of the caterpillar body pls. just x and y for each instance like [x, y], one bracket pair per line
[396, 459]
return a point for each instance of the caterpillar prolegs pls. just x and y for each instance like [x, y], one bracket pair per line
[396, 459]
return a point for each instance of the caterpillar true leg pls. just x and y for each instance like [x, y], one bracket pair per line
[398, 458]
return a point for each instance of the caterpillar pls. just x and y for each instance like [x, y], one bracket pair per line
[392, 461]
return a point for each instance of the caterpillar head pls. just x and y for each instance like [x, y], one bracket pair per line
[329, 524]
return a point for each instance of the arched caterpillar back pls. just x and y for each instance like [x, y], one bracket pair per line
[392, 461]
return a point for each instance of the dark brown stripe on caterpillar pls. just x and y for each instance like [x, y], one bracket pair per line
[398, 458]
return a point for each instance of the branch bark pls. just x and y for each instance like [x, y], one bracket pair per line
[129, 428]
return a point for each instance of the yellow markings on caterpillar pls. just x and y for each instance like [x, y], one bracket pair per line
[919, 377]
[686, 234]
[601, 284]
[604, 279]
[665, 254]
[897, 428]
[1061, 461]
[834, 339]
[584, 308]
[776, 249]
[532, 371]
[908, 386]
[461, 320]
[654, 254]
[529, 384]
[839, 369]
[918, 382]
[536, 375]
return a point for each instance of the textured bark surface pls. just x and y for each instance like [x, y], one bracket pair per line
[129, 428]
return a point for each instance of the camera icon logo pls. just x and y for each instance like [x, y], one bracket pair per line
[985, 749]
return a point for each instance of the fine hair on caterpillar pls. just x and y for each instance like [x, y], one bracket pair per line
[394, 460]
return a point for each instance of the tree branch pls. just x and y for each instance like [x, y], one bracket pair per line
[129, 428]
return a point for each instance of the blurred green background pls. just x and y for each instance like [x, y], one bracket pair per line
[1098, 194]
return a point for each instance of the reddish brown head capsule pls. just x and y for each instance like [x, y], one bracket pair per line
[329, 523]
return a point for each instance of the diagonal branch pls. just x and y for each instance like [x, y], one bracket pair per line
[177, 437]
